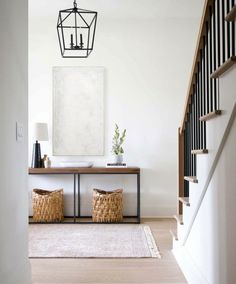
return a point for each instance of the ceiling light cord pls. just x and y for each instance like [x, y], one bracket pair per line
[75, 4]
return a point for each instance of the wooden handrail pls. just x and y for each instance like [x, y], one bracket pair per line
[195, 61]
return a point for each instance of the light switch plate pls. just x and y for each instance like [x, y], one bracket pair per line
[19, 131]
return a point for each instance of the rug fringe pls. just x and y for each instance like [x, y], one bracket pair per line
[151, 242]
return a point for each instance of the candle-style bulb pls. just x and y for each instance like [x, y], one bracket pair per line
[71, 41]
[81, 41]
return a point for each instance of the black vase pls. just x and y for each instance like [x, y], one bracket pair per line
[36, 156]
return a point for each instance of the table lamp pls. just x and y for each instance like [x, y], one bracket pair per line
[40, 133]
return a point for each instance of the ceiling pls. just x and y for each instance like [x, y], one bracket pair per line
[125, 9]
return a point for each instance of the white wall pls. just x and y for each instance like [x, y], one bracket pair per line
[14, 264]
[146, 47]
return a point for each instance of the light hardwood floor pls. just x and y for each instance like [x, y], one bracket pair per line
[149, 270]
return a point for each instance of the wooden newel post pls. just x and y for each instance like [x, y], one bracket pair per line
[180, 186]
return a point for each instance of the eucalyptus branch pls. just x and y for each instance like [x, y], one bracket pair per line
[118, 140]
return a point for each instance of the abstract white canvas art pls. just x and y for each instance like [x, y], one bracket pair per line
[78, 111]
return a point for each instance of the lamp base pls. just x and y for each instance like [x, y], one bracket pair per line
[36, 156]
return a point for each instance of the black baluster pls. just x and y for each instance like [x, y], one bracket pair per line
[204, 76]
[223, 29]
[228, 39]
[204, 87]
[189, 147]
[218, 33]
[195, 167]
[193, 111]
[197, 118]
[210, 59]
[198, 108]
[207, 70]
[214, 55]
[201, 97]
[191, 139]
[233, 33]
[185, 160]
[192, 126]
[190, 155]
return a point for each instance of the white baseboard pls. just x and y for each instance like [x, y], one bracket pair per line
[191, 272]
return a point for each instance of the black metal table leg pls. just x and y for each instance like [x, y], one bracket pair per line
[138, 197]
[78, 195]
[74, 198]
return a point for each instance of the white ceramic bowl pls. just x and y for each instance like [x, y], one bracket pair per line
[82, 164]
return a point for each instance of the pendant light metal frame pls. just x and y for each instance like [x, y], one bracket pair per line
[82, 49]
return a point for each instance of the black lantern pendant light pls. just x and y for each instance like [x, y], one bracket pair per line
[76, 31]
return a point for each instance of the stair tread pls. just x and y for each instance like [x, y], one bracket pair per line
[199, 151]
[184, 200]
[231, 16]
[224, 67]
[210, 115]
[174, 234]
[191, 179]
[179, 219]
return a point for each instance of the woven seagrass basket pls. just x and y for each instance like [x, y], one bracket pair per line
[107, 205]
[48, 206]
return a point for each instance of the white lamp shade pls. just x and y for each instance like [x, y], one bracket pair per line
[40, 131]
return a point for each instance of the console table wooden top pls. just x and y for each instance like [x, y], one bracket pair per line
[92, 170]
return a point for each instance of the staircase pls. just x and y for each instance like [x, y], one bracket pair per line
[205, 138]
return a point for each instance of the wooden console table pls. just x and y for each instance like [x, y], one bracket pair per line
[77, 172]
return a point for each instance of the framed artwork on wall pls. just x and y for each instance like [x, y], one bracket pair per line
[78, 111]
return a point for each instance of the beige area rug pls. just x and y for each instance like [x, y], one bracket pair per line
[92, 240]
